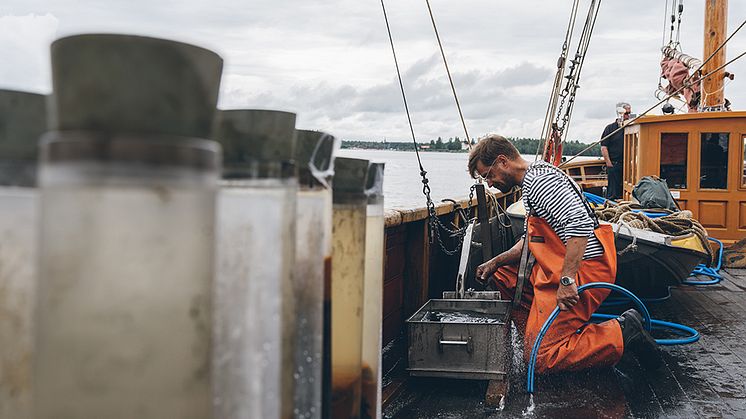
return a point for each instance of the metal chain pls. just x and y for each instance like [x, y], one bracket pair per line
[436, 225]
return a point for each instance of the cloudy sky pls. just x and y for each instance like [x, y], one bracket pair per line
[330, 62]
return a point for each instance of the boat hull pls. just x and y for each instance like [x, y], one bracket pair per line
[651, 266]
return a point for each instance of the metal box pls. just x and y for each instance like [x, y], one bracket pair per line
[456, 348]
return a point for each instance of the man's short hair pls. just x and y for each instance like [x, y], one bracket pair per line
[487, 149]
[623, 105]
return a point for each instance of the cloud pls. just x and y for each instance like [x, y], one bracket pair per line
[24, 42]
[330, 60]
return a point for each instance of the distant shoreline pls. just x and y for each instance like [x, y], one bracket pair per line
[454, 145]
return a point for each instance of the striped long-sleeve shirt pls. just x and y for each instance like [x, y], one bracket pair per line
[551, 194]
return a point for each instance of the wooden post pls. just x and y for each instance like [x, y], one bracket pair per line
[417, 270]
[485, 232]
[716, 26]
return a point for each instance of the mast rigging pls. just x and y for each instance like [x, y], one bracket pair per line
[554, 132]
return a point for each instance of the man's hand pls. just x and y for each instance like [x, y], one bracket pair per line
[567, 296]
[485, 270]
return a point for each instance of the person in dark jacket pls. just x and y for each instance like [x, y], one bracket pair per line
[612, 148]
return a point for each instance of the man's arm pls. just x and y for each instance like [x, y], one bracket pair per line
[567, 295]
[605, 153]
[604, 149]
[509, 257]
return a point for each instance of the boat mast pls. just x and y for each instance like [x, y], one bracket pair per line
[716, 26]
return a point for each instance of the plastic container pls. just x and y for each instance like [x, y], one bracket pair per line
[373, 303]
[326, 245]
[128, 189]
[254, 305]
[23, 120]
[314, 159]
[348, 261]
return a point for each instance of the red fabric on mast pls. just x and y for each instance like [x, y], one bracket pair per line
[677, 74]
[553, 148]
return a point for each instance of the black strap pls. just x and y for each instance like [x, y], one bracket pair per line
[524, 271]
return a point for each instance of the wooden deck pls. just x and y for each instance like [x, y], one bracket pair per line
[706, 379]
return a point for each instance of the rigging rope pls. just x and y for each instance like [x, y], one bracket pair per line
[557, 85]
[631, 121]
[555, 131]
[583, 45]
[665, 10]
[678, 23]
[403, 95]
[433, 221]
[448, 71]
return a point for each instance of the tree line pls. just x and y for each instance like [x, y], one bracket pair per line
[454, 145]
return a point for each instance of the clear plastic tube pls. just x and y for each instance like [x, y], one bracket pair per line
[256, 242]
[18, 222]
[373, 310]
[348, 263]
[314, 155]
[127, 183]
[326, 364]
[124, 295]
[22, 121]
[309, 293]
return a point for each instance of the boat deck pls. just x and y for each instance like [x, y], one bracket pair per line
[704, 379]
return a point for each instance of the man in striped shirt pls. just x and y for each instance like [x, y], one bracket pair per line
[571, 248]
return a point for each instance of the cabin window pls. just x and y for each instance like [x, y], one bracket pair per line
[674, 148]
[713, 161]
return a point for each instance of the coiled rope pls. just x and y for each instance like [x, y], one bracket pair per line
[678, 223]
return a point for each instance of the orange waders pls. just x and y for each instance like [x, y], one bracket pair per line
[570, 344]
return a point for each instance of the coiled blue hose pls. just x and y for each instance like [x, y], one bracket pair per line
[649, 324]
[712, 272]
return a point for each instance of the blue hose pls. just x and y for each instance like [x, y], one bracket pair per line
[712, 272]
[689, 334]
[652, 214]
[595, 199]
[692, 335]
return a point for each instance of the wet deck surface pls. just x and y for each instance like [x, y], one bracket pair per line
[704, 379]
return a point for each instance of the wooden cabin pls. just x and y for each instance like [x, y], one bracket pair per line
[589, 174]
[702, 157]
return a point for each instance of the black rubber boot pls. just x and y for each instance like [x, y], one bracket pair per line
[638, 341]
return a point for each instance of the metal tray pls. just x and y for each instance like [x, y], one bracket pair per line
[455, 348]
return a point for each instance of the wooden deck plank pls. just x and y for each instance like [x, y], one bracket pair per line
[704, 379]
[726, 377]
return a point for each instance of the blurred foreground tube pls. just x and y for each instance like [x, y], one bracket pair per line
[254, 305]
[314, 157]
[22, 121]
[348, 262]
[128, 184]
[373, 310]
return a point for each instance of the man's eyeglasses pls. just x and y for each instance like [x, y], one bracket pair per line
[487, 173]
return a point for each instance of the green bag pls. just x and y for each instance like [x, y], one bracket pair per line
[652, 192]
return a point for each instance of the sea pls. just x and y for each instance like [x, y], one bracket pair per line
[402, 183]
